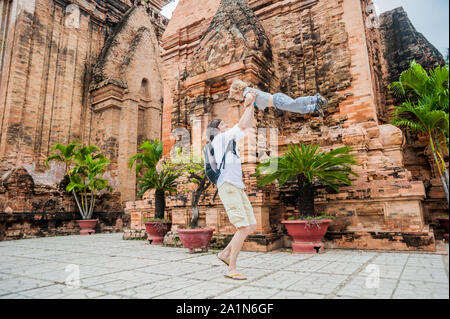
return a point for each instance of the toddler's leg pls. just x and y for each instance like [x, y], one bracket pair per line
[302, 105]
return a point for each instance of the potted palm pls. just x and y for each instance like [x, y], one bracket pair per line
[425, 111]
[65, 156]
[309, 167]
[161, 179]
[193, 236]
[85, 179]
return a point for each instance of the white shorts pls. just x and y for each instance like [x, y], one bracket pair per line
[237, 205]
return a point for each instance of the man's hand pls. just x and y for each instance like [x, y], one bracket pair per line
[250, 99]
[246, 121]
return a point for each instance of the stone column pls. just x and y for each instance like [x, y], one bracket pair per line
[128, 145]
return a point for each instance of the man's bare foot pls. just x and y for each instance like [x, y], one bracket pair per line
[234, 274]
[223, 257]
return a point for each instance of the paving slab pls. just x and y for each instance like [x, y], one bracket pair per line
[104, 266]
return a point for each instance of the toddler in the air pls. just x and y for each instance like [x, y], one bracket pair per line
[302, 105]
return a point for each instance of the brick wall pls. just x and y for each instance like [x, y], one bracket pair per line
[76, 70]
[315, 46]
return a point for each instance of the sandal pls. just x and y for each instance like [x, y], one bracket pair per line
[223, 260]
[236, 276]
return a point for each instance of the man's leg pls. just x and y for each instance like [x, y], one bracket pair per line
[247, 207]
[226, 252]
[236, 245]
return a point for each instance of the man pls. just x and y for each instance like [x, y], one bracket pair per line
[230, 185]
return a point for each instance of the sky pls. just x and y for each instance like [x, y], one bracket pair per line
[429, 17]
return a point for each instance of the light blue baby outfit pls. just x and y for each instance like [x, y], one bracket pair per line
[302, 105]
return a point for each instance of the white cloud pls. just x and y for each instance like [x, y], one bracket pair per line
[168, 9]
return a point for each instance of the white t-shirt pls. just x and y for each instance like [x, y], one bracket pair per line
[232, 173]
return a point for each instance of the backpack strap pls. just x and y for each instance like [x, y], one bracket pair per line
[232, 143]
[215, 194]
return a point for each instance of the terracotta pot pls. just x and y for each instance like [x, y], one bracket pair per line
[307, 238]
[444, 224]
[195, 238]
[87, 226]
[156, 231]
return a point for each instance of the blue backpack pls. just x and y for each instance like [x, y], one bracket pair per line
[211, 169]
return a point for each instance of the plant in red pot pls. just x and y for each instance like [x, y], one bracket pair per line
[308, 233]
[156, 229]
[157, 177]
[193, 236]
[308, 166]
[85, 178]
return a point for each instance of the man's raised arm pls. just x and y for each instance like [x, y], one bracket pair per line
[247, 118]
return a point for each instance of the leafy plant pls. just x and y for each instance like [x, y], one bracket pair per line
[416, 83]
[65, 154]
[312, 220]
[85, 176]
[149, 158]
[309, 167]
[161, 179]
[194, 173]
[425, 110]
[321, 217]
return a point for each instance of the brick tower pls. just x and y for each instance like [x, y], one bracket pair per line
[76, 70]
[300, 48]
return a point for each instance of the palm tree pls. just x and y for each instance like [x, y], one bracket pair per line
[85, 167]
[66, 153]
[434, 124]
[86, 178]
[152, 153]
[415, 83]
[308, 166]
[425, 110]
[161, 182]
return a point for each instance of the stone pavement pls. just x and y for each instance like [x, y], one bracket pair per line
[105, 266]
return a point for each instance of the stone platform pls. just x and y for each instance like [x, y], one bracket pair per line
[109, 267]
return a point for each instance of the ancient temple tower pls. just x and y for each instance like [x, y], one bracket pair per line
[77, 70]
[299, 47]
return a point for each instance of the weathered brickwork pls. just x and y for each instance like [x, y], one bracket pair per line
[331, 47]
[401, 44]
[30, 210]
[76, 70]
[115, 73]
[31, 225]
